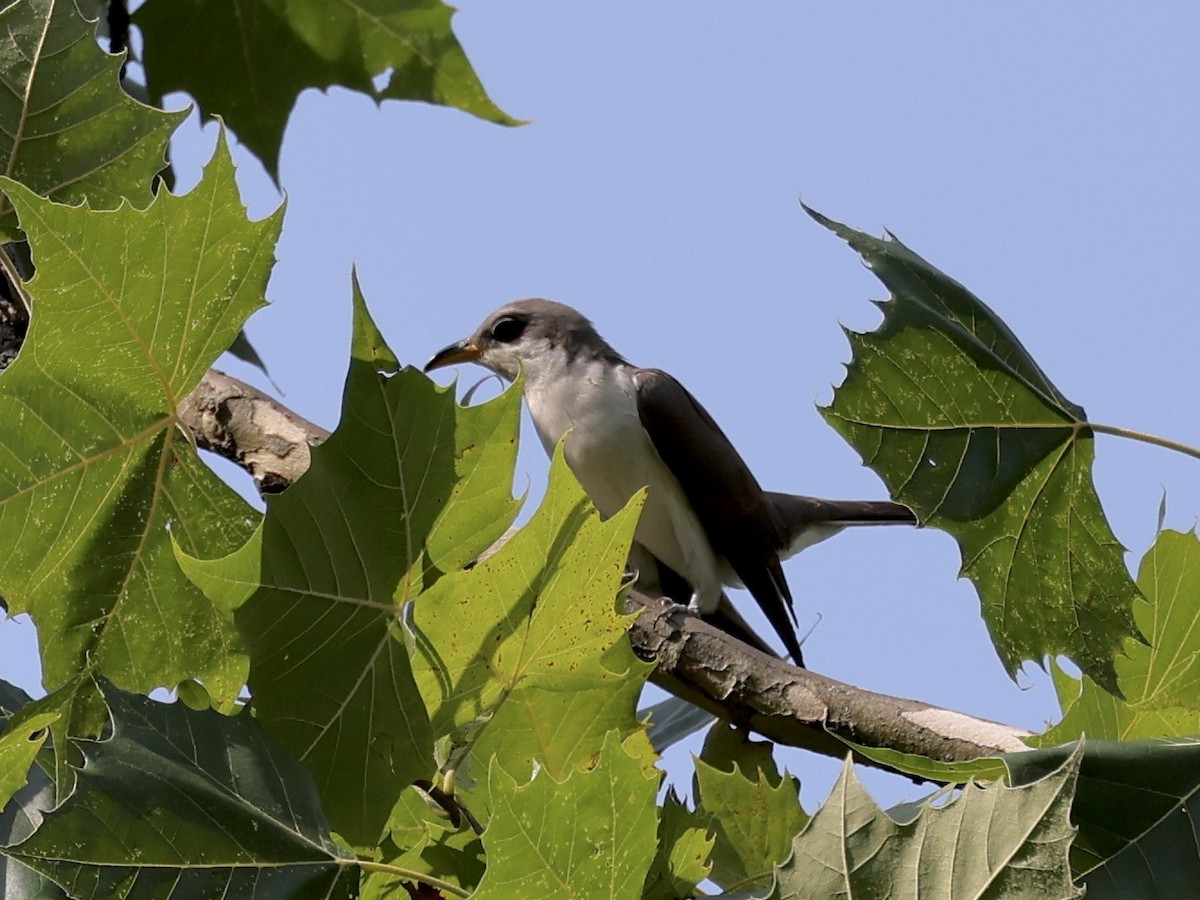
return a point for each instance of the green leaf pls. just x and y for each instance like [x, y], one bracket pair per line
[1161, 682]
[213, 49]
[422, 840]
[72, 133]
[562, 729]
[188, 804]
[130, 309]
[1136, 807]
[753, 811]
[22, 813]
[990, 841]
[944, 403]
[319, 593]
[590, 835]
[984, 768]
[531, 641]
[24, 733]
[242, 349]
[684, 847]
[1166, 673]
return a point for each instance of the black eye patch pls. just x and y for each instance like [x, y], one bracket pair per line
[508, 329]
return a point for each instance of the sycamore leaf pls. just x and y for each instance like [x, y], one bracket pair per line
[21, 813]
[23, 731]
[320, 589]
[187, 803]
[130, 309]
[984, 768]
[990, 841]
[753, 811]
[423, 840]
[1166, 674]
[1136, 807]
[213, 49]
[1161, 682]
[945, 405]
[589, 835]
[73, 133]
[682, 858]
[531, 642]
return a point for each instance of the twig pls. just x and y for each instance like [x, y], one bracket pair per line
[1153, 439]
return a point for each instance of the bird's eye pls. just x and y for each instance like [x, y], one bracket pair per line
[508, 329]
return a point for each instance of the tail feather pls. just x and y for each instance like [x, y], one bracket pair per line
[804, 521]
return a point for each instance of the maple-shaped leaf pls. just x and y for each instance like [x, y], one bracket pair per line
[990, 841]
[423, 839]
[130, 308]
[532, 640]
[248, 60]
[71, 132]
[24, 727]
[409, 485]
[945, 405]
[682, 858]
[1136, 808]
[588, 835]
[22, 735]
[185, 803]
[752, 810]
[1160, 681]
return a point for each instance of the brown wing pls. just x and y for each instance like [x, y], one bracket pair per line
[740, 523]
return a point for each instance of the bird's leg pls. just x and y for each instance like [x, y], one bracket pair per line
[705, 598]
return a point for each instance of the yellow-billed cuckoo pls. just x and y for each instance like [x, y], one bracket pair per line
[706, 518]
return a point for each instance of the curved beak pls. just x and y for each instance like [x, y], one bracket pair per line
[459, 352]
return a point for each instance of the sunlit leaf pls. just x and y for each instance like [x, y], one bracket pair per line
[944, 403]
[590, 835]
[319, 592]
[24, 727]
[21, 813]
[531, 640]
[93, 468]
[1159, 681]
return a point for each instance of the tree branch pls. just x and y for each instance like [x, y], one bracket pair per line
[695, 660]
[795, 706]
[248, 428]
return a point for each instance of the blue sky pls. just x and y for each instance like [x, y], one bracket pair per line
[1044, 156]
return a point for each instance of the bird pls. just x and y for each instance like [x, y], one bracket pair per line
[706, 521]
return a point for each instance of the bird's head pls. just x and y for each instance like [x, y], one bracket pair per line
[540, 336]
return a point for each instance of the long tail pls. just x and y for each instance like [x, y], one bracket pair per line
[804, 521]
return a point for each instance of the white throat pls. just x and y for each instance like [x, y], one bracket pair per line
[594, 402]
[592, 396]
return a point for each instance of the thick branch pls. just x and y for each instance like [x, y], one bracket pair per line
[795, 706]
[695, 660]
[247, 427]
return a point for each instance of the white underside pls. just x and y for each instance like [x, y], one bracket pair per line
[613, 458]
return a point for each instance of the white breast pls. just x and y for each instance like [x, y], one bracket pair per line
[611, 455]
